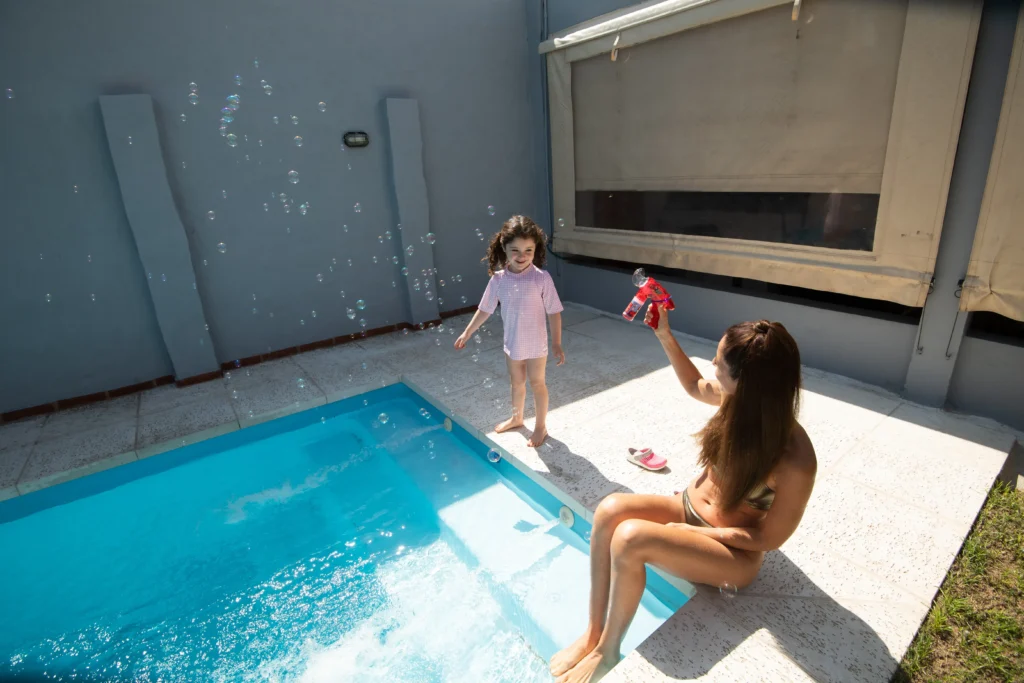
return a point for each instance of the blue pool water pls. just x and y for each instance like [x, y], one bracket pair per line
[323, 546]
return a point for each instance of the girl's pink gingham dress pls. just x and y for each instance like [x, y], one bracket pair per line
[526, 299]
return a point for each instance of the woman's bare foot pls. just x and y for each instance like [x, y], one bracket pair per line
[508, 424]
[592, 668]
[570, 656]
[538, 437]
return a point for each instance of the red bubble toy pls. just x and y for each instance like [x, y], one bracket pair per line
[649, 289]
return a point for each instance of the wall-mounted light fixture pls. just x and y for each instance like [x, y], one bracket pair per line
[356, 139]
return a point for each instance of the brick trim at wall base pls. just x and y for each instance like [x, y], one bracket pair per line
[64, 404]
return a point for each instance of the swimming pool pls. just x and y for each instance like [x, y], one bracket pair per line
[358, 541]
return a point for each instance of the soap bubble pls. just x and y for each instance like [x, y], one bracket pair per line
[276, 120]
[387, 233]
[254, 311]
[303, 208]
[129, 139]
[462, 299]
[234, 394]
[266, 207]
[639, 277]
[358, 208]
[424, 413]
[232, 140]
[361, 305]
[488, 383]
[493, 456]
[93, 297]
[295, 120]
[48, 298]
[221, 247]
[211, 215]
[477, 339]
[362, 323]
[441, 282]
[431, 238]
[728, 590]
[383, 418]
[322, 106]
[394, 260]
[319, 277]
[351, 314]
[409, 250]
[223, 131]
[293, 178]
[314, 313]
[183, 118]
[344, 228]
[302, 322]
[301, 382]
[458, 278]
[342, 292]
[163, 277]
[491, 210]
[298, 140]
[561, 222]
[405, 271]
[267, 89]
[193, 98]
[429, 295]
[238, 79]
[10, 94]
[444, 477]
[475, 357]
[192, 87]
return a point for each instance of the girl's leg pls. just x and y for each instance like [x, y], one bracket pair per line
[535, 370]
[517, 374]
[675, 549]
[613, 511]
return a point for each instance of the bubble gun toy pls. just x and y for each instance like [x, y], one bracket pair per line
[648, 289]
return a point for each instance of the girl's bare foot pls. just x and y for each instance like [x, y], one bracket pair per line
[538, 437]
[570, 656]
[508, 424]
[592, 668]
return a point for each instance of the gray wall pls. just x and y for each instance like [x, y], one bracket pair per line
[466, 62]
[989, 380]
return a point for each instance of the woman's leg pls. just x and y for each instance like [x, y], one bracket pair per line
[675, 549]
[535, 370]
[613, 511]
[517, 374]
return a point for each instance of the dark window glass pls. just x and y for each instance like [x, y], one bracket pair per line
[836, 221]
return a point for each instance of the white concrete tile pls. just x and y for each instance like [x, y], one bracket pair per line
[574, 315]
[699, 644]
[21, 433]
[895, 540]
[828, 640]
[86, 417]
[184, 424]
[170, 396]
[12, 461]
[338, 376]
[271, 390]
[69, 457]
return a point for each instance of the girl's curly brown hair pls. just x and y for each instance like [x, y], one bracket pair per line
[514, 227]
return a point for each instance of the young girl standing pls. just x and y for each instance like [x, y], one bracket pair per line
[526, 294]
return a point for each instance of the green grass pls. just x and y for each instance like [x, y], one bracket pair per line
[975, 629]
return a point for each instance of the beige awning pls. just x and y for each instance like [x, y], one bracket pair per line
[995, 275]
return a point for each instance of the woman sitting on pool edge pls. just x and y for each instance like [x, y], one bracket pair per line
[759, 469]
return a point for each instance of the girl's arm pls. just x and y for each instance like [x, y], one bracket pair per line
[555, 320]
[689, 376]
[479, 318]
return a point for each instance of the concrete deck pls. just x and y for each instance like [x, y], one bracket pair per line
[898, 487]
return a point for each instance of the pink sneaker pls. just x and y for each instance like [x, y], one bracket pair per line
[647, 459]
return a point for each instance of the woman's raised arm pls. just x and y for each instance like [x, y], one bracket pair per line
[689, 376]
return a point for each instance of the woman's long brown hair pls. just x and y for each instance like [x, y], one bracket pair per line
[516, 226]
[746, 437]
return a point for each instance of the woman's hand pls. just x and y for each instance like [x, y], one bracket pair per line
[662, 330]
[460, 343]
